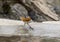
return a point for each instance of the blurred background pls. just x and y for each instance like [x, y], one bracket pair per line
[13, 9]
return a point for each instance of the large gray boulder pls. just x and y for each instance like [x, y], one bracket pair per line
[13, 13]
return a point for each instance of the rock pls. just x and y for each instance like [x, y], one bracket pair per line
[19, 10]
[13, 14]
[36, 17]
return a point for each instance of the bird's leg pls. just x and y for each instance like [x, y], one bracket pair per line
[24, 23]
[29, 26]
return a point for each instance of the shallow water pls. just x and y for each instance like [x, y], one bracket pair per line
[28, 39]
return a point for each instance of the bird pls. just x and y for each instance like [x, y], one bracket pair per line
[26, 21]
